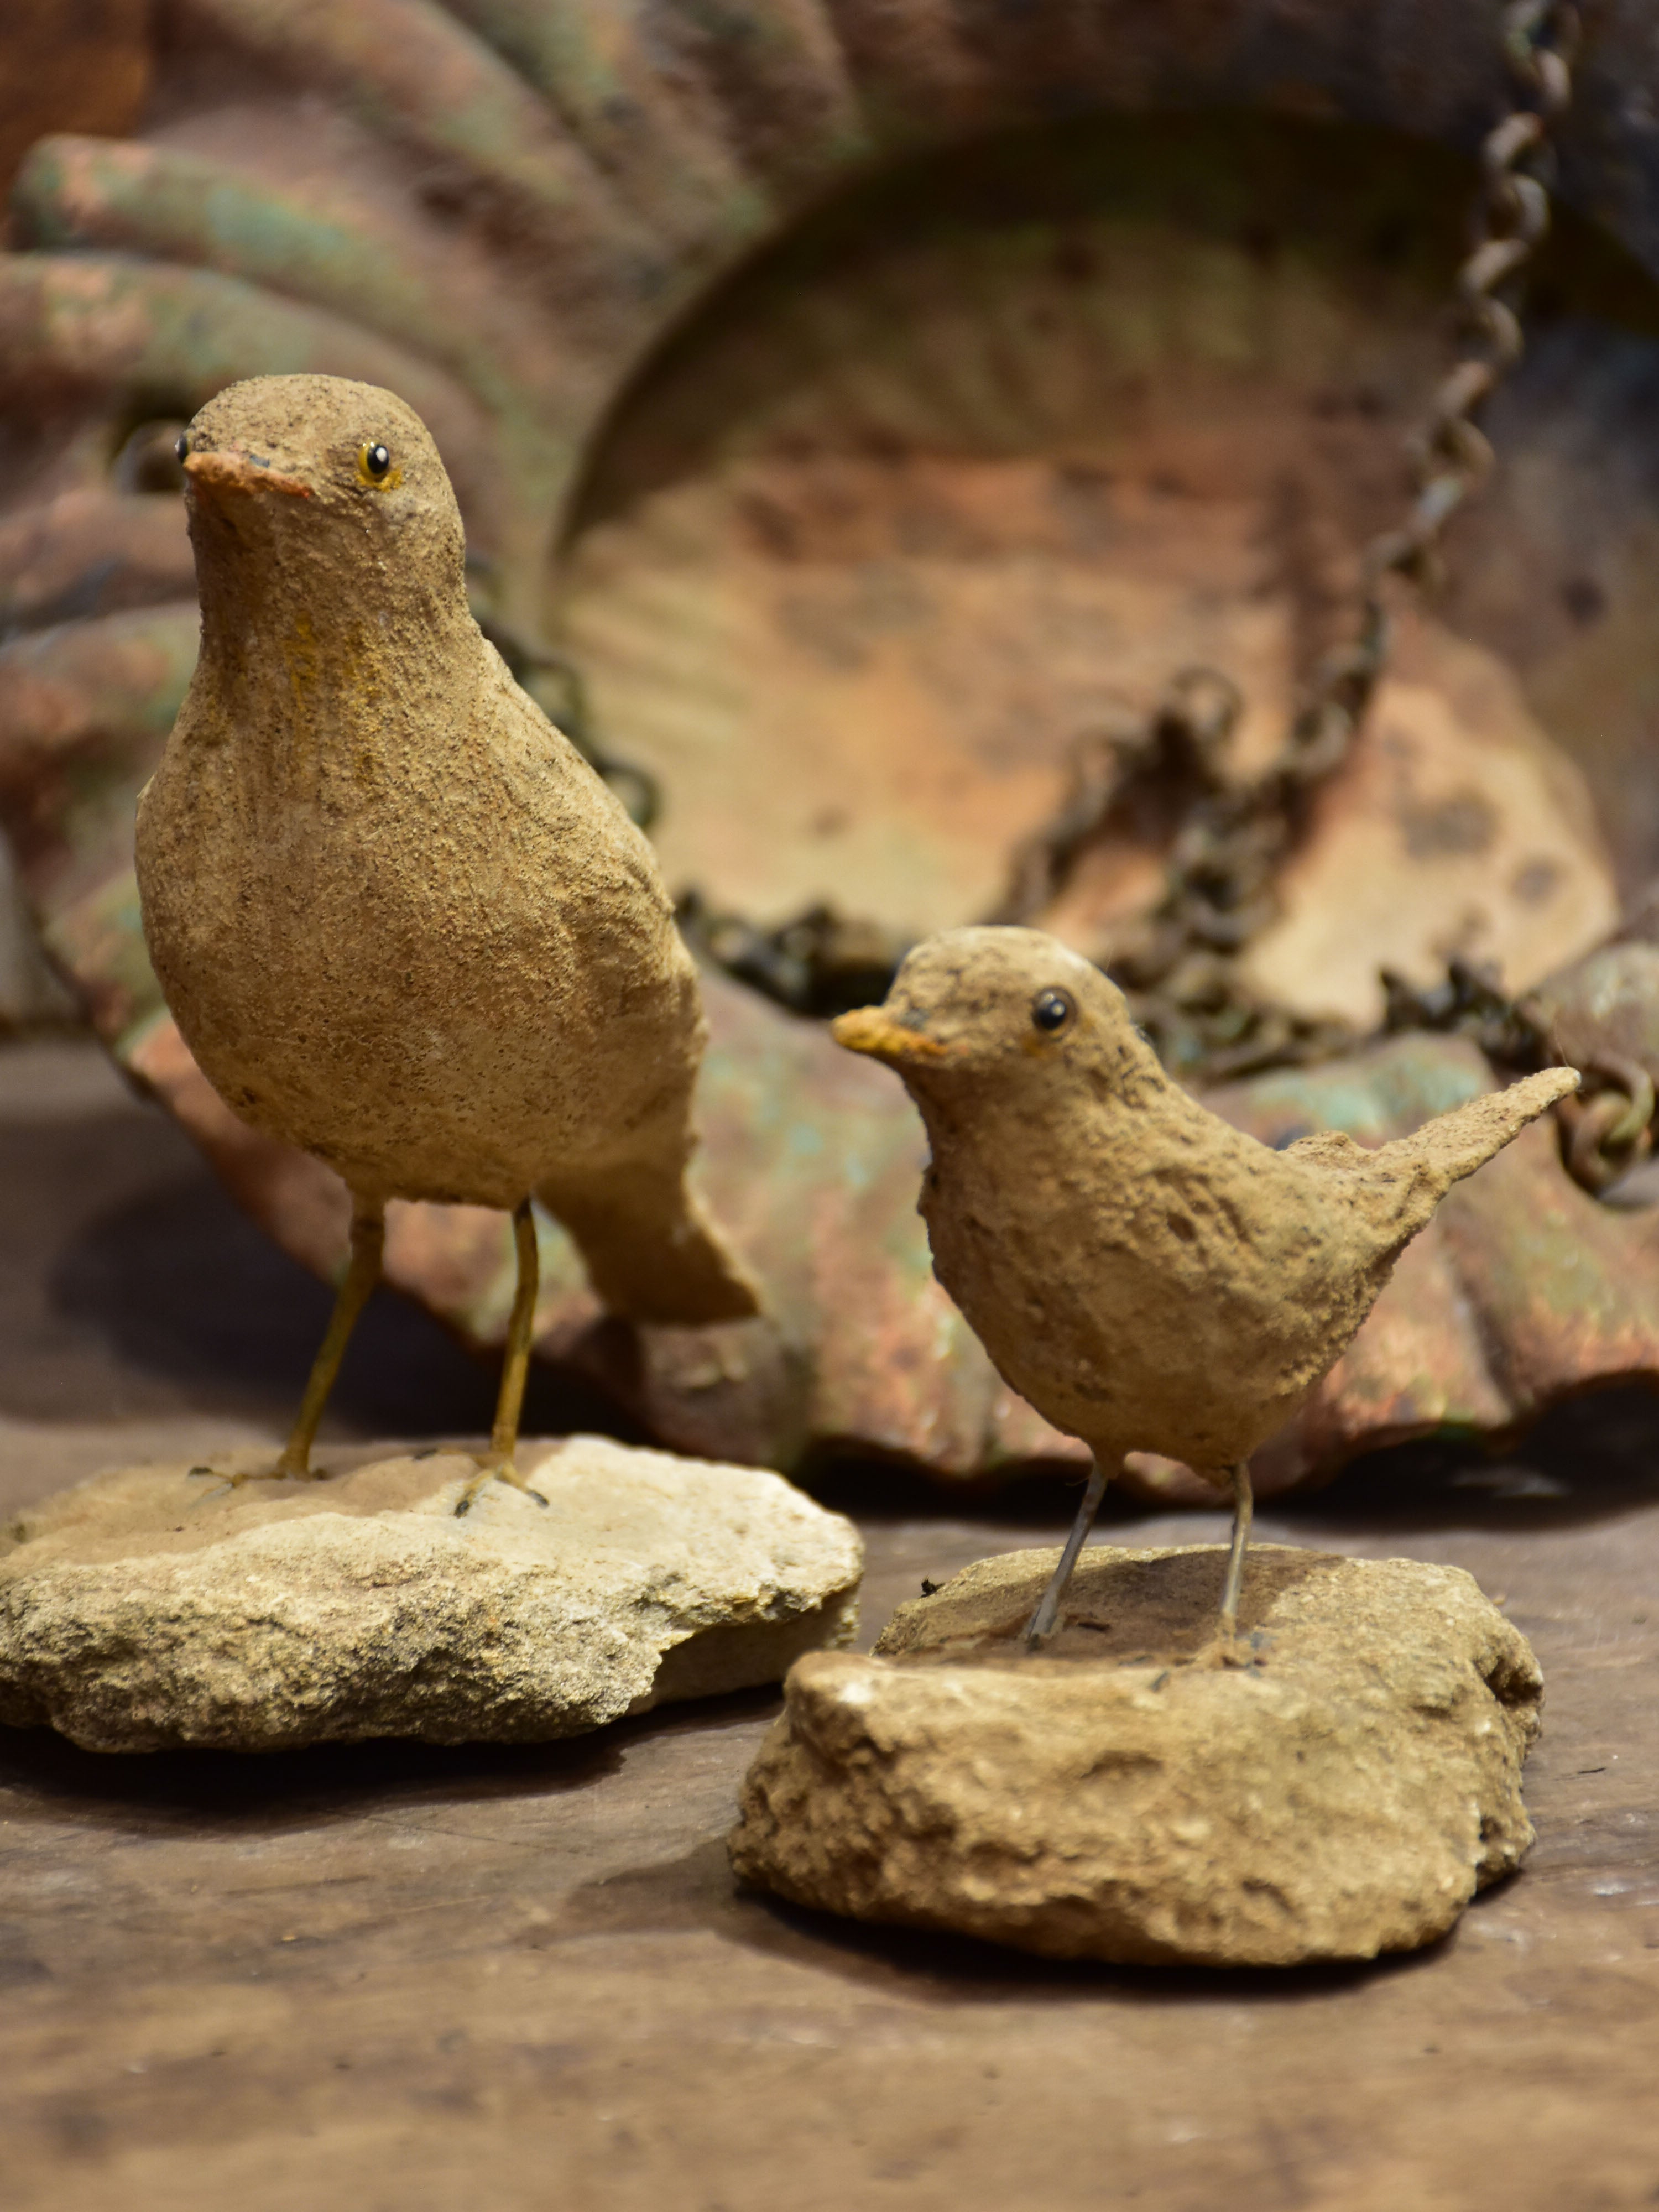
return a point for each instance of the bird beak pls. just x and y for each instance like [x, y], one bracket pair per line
[870, 1029]
[241, 472]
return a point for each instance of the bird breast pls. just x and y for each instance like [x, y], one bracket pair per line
[449, 968]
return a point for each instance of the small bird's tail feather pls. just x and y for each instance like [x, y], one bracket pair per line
[1417, 1171]
[652, 1253]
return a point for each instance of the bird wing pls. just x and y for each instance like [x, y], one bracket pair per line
[1399, 1185]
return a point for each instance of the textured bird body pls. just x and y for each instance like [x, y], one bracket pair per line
[1150, 1277]
[399, 920]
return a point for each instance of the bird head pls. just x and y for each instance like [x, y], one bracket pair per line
[316, 470]
[994, 1005]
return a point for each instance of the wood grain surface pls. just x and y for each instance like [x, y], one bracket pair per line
[391, 1979]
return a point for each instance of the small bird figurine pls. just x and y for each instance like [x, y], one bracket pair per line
[400, 921]
[1150, 1277]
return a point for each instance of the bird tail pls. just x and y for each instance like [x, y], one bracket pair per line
[651, 1251]
[1418, 1170]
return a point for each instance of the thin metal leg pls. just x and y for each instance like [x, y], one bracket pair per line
[1042, 1622]
[497, 1462]
[362, 1274]
[504, 1437]
[1243, 1509]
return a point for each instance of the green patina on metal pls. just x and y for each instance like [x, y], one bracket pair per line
[101, 936]
[1374, 1095]
[85, 194]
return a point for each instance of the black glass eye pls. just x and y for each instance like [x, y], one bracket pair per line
[376, 461]
[182, 447]
[1051, 1011]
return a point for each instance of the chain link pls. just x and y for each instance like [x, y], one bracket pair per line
[820, 963]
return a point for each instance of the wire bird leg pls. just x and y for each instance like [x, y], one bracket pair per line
[1243, 1511]
[497, 1464]
[363, 1273]
[1041, 1623]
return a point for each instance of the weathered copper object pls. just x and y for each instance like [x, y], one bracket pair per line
[855, 548]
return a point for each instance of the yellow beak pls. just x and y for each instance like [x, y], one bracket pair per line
[236, 472]
[868, 1029]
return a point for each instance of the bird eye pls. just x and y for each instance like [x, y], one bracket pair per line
[182, 447]
[1051, 1011]
[376, 461]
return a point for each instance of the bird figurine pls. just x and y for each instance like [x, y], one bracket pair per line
[400, 921]
[1149, 1277]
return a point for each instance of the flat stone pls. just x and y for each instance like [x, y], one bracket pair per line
[148, 1608]
[1125, 1795]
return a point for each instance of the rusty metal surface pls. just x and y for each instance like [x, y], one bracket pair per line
[88, 68]
[900, 510]
[1232, 834]
[930, 503]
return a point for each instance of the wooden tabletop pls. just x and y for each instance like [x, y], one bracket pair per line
[388, 1979]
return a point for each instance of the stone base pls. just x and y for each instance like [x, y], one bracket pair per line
[1126, 1796]
[147, 1609]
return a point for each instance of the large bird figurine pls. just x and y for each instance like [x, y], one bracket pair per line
[399, 919]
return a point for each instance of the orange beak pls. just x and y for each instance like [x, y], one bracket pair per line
[237, 472]
[868, 1029]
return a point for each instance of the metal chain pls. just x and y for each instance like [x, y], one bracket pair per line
[1228, 839]
[1606, 1128]
[820, 963]
[1225, 858]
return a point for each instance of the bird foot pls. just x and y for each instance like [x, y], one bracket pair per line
[488, 1473]
[234, 1479]
[1227, 1648]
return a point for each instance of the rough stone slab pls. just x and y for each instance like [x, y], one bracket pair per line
[146, 1609]
[1124, 1795]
